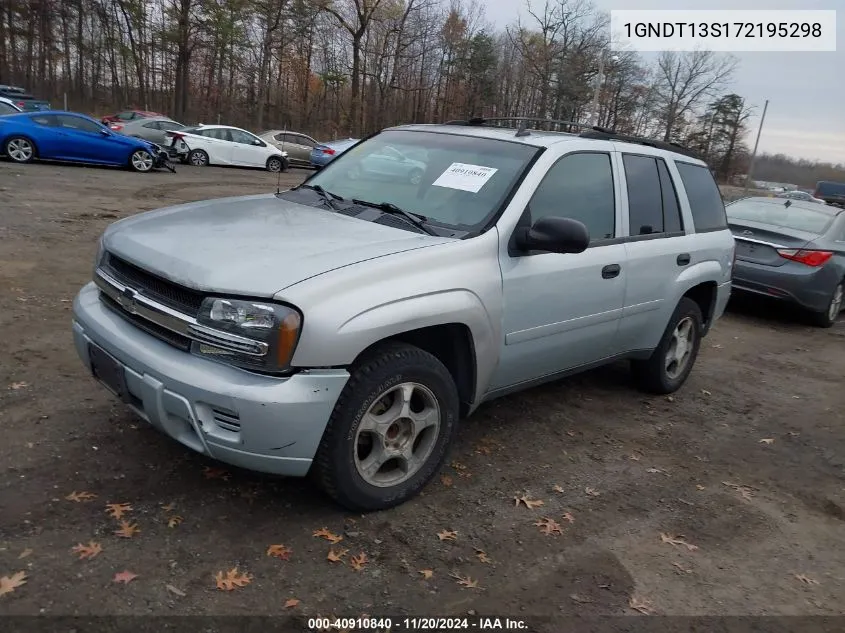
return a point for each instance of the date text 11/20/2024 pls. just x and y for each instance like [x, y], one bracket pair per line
[388, 625]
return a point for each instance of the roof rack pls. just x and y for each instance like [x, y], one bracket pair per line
[590, 131]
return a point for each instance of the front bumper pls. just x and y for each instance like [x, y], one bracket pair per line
[795, 283]
[261, 423]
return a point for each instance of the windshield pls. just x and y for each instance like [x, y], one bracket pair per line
[455, 180]
[777, 214]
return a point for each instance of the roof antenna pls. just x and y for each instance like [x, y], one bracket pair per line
[522, 131]
[279, 175]
[788, 203]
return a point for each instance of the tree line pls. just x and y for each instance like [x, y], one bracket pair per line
[350, 67]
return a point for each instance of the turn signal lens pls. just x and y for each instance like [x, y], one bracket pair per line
[288, 336]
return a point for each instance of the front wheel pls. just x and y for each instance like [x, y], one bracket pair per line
[141, 160]
[834, 307]
[390, 430]
[276, 164]
[20, 149]
[672, 361]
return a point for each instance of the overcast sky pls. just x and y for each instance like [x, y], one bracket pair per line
[806, 91]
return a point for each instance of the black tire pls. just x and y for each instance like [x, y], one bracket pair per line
[276, 164]
[827, 318]
[198, 158]
[334, 468]
[142, 161]
[20, 149]
[652, 375]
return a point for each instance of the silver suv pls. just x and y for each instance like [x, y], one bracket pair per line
[342, 328]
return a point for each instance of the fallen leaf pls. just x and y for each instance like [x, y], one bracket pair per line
[567, 516]
[580, 599]
[465, 581]
[125, 577]
[557, 488]
[677, 540]
[290, 603]
[458, 466]
[18, 385]
[79, 497]
[592, 492]
[216, 473]
[634, 458]
[744, 491]
[127, 529]
[767, 440]
[483, 557]
[117, 510]
[483, 450]
[175, 590]
[336, 556]
[670, 398]
[170, 507]
[279, 551]
[446, 535]
[87, 551]
[329, 536]
[173, 521]
[528, 502]
[358, 562]
[9, 583]
[426, 573]
[643, 606]
[446, 480]
[653, 470]
[232, 579]
[699, 487]
[464, 474]
[681, 568]
[549, 526]
[571, 433]
[706, 393]
[25, 553]
[806, 579]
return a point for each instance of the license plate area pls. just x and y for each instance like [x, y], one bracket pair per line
[108, 371]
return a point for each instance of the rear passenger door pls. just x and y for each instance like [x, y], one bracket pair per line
[657, 248]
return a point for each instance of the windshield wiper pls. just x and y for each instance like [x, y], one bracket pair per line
[327, 196]
[388, 207]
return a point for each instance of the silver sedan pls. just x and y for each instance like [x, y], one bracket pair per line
[152, 129]
[790, 250]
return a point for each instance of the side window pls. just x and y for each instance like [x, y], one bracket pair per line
[705, 200]
[645, 199]
[280, 137]
[308, 142]
[124, 116]
[220, 133]
[76, 123]
[242, 137]
[579, 186]
[5, 108]
[153, 125]
[672, 222]
[45, 119]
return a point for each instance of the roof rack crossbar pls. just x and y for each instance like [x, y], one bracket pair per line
[670, 146]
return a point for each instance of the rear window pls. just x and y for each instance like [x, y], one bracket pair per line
[779, 215]
[705, 200]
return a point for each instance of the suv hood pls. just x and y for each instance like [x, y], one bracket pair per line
[253, 245]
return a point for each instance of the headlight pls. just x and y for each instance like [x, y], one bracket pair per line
[250, 334]
[284, 154]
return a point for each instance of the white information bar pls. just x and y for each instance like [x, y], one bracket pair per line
[724, 30]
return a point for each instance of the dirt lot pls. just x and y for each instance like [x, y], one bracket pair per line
[763, 519]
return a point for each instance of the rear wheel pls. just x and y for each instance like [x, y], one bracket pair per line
[834, 307]
[390, 430]
[276, 164]
[20, 149]
[141, 160]
[672, 361]
[198, 158]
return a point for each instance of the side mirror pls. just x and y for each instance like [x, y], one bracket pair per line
[258, 142]
[554, 235]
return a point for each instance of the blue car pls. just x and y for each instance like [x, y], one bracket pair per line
[72, 137]
[324, 153]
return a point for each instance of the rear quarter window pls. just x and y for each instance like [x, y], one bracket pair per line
[705, 200]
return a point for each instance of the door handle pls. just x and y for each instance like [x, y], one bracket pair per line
[610, 271]
[683, 259]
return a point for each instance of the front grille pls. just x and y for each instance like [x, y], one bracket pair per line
[172, 295]
[168, 336]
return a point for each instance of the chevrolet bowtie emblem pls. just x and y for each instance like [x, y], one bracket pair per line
[127, 300]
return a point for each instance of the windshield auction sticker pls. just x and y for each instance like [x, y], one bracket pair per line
[465, 177]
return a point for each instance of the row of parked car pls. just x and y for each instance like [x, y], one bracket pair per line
[143, 141]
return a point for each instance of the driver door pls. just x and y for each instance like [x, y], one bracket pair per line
[248, 150]
[562, 311]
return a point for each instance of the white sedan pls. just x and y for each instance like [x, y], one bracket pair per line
[224, 145]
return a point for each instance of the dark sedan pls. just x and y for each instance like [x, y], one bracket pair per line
[790, 250]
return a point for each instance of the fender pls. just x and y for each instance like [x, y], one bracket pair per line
[383, 321]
